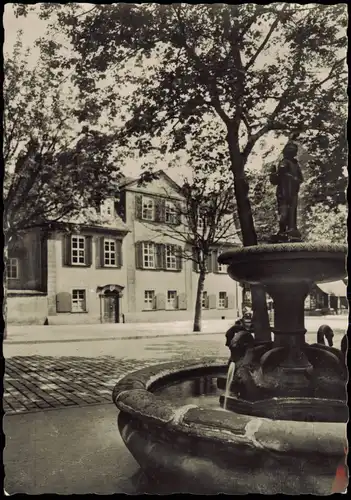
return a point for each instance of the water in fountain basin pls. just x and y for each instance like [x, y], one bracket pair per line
[230, 376]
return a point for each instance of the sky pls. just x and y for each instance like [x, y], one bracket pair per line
[33, 28]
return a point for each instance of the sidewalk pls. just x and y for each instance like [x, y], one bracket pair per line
[66, 452]
[23, 334]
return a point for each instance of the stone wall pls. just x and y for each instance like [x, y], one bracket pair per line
[27, 308]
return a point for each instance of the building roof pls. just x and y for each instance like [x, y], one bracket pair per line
[90, 218]
[337, 288]
[128, 181]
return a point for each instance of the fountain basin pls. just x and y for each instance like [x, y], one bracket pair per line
[286, 263]
[203, 450]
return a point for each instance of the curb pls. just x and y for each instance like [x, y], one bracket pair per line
[91, 339]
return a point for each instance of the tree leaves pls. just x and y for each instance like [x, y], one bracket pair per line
[247, 69]
[52, 171]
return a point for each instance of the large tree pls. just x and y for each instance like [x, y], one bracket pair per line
[249, 70]
[54, 167]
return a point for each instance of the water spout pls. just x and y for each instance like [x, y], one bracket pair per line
[230, 376]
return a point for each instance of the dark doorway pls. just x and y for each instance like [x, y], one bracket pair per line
[110, 307]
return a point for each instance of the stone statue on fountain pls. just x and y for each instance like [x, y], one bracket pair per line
[288, 178]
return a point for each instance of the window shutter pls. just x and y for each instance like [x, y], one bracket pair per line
[179, 213]
[182, 301]
[139, 255]
[230, 302]
[97, 252]
[138, 206]
[160, 256]
[212, 301]
[179, 255]
[158, 210]
[22, 272]
[163, 256]
[119, 256]
[63, 302]
[121, 206]
[101, 246]
[162, 210]
[88, 251]
[66, 250]
[215, 255]
[209, 262]
[160, 301]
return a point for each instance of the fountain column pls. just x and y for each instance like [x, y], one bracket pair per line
[289, 321]
[289, 335]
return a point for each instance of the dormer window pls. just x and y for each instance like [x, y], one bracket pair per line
[148, 208]
[107, 208]
[221, 268]
[170, 213]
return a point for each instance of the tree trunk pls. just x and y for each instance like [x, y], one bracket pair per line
[249, 237]
[198, 303]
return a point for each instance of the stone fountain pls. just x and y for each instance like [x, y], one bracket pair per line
[284, 427]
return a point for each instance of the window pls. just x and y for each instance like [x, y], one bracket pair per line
[149, 255]
[148, 208]
[223, 302]
[107, 208]
[171, 259]
[78, 250]
[12, 269]
[221, 268]
[171, 299]
[109, 253]
[170, 213]
[149, 299]
[204, 300]
[78, 301]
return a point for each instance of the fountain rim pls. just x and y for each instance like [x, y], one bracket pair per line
[132, 395]
[279, 248]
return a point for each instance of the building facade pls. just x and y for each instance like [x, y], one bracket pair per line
[132, 267]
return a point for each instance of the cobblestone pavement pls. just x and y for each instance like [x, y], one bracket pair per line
[36, 383]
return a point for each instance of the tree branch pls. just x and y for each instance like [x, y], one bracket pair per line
[211, 83]
[283, 101]
[266, 39]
